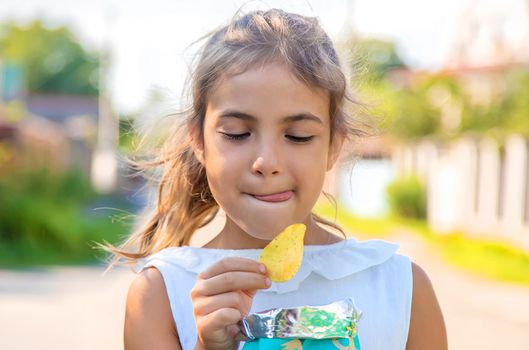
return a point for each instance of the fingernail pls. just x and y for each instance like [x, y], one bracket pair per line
[268, 283]
[262, 268]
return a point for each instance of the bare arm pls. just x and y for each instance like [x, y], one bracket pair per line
[149, 323]
[427, 327]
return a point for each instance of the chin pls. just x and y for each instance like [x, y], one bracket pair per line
[268, 230]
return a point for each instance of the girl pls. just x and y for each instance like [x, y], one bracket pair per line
[268, 119]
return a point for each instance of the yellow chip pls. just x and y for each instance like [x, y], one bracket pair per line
[282, 256]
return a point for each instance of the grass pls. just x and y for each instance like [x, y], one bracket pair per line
[377, 228]
[483, 256]
[486, 257]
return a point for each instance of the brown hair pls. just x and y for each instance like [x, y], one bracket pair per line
[185, 202]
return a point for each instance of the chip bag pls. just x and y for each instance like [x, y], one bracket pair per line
[326, 327]
[282, 256]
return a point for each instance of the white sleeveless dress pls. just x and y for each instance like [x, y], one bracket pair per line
[371, 272]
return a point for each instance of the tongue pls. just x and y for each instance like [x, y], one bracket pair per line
[276, 197]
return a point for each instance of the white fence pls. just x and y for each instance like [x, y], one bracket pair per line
[475, 185]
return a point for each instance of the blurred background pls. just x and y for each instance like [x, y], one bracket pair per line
[447, 176]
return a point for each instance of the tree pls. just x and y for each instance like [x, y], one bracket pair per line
[52, 59]
[376, 55]
[507, 112]
[516, 102]
[402, 111]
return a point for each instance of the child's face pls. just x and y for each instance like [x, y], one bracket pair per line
[266, 149]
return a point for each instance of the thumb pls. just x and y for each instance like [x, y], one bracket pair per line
[233, 330]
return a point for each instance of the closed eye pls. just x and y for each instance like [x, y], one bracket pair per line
[238, 137]
[235, 136]
[299, 139]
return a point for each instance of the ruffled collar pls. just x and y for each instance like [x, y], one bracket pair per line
[332, 261]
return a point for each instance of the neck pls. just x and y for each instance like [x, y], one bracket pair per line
[233, 237]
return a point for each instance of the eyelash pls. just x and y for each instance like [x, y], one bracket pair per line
[239, 137]
[235, 137]
[300, 139]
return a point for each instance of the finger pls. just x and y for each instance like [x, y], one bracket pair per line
[251, 292]
[231, 281]
[233, 264]
[218, 320]
[206, 305]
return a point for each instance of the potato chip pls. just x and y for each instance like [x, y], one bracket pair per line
[282, 256]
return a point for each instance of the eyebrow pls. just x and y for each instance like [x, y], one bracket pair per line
[288, 119]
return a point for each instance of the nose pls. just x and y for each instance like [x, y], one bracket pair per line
[264, 167]
[267, 161]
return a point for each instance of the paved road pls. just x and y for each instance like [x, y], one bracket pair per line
[79, 308]
[62, 308]
[479, 313]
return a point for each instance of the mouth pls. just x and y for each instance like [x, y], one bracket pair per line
[274, 197]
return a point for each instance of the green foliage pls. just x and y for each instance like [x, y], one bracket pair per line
[53, 59]
[406, 112]
[407, 197]
[508, 111]
[412, 104]
[515, 102]
[45, 218]
[376, 56]
[413, 114]
[128, 136]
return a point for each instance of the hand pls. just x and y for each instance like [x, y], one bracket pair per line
[222, 296]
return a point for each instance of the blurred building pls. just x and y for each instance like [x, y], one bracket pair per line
[53, 130]
[83, 123]
[490, 34]
[76, 116]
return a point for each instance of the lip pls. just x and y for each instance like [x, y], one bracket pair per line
[275, 197]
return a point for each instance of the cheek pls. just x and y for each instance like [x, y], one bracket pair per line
[310, 168]
[223, 165]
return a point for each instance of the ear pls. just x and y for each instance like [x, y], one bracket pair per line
[334, 150]
[197, 144]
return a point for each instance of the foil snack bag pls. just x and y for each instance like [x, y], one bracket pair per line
[332, 326]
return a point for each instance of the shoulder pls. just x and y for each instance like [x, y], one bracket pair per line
[427, 328]
[148, 319]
